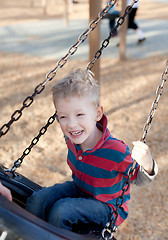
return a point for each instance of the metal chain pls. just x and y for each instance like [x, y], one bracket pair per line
[154, 106]
[81, 38]
[110, 227]
[35, 140]
[105, 43]
[18, 113]
[60, 64]
[52, 73]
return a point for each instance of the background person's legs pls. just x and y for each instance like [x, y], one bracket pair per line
[133, 25]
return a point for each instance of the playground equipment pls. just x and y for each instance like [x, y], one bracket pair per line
[22, 187]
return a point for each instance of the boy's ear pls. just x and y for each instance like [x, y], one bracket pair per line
[99, 113]
[56, 116]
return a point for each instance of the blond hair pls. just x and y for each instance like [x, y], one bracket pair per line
[77, 83]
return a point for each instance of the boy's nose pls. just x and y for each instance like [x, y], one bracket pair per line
[72, 124]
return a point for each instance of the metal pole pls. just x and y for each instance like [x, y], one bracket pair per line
[66, 12]
[44, 6]
[32, 3]
[94, 38]
[71, 7]
[123, 33]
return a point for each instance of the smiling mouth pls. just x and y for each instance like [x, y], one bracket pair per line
[77, 133]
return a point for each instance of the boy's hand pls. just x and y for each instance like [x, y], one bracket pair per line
[142, 155]
[5, 192]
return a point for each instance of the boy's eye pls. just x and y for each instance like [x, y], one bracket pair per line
[62, 117]
[80, 114]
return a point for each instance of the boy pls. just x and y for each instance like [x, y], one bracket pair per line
[98, 161]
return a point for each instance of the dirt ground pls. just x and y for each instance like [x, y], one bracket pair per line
[127, 92]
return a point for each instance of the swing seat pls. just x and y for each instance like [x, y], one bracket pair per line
[13, 215]
[20, 186]
[22, 224]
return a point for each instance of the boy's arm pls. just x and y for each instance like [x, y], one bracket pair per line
[143, 177]
[148, 167]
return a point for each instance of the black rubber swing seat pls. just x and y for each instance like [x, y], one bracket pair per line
[29, 227]
[15, 219]
[20, 186]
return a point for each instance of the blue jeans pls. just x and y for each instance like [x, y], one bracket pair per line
[66, 206]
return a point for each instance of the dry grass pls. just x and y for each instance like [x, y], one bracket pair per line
[127, 91]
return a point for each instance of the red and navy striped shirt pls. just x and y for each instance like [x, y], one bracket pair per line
[102, 170]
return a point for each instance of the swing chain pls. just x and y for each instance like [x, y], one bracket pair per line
[18, 113]
[35, 140]
[106, 42]
[82, 38]
[154, 106]
[110, 227]
[52, 73]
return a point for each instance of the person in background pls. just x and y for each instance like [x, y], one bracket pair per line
[132, 24]
[112, 15]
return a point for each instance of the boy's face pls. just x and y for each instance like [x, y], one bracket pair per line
[77, 118]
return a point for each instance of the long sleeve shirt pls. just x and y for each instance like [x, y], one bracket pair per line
[102, 170]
